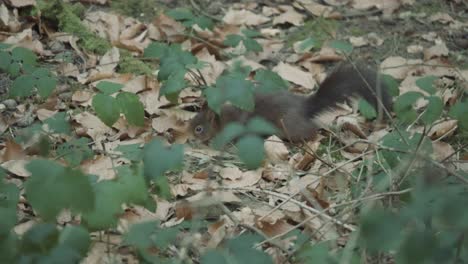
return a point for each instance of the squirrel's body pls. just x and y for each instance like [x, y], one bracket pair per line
[293, 114]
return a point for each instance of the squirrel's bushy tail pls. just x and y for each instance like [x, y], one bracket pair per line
[347, 82]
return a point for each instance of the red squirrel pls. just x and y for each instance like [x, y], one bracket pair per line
[293, 114]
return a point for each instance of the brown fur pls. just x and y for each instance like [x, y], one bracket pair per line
[293, 114]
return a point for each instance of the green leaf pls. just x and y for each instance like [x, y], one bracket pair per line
[458, 111]
[269, 81]
[319, 253]
[133, 184]
[58, 123]
[45, 86]
[232, 40]
[75, 151]
[132, 152]
[22, 86]
[174, 84]
[215, 98]
[238, 91]
[260, 126]
[251, 151]
[203, 22]
[342, 46]
[404, 106]
[155, 50]
[252, 45]
[108, 205]
[230, 132]
[132, 108]
[24, 56]
[307, 44]
[107, 108]
[366, 109]
[427, 84]
[41, 72]
[250, 33]
[14, 69]
[433, 110]
[68, 187]
[5, 60]
[109, 88]
[377, 224]
[41, 237]
[242, 248]
[158, 158]
[9, 197]
[175, 61]
[180, 13]
[391, 84]
[76, 238]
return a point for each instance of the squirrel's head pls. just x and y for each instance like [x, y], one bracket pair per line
[204, 125]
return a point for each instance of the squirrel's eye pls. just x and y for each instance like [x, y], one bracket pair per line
[198, 129]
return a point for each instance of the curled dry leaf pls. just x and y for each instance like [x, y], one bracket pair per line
[277, 172]
[445, 128]
[232, 178]
[93, 126]
[398, 67]
[295, 75]
[275, 150]
[289, 15]
[438, 50]
[441, 150]
[244, 17]
[26, 40]
[9, 19]
[319, 10]
[214, 68]
[16, 167]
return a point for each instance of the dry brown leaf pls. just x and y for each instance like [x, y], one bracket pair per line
[295, 75]
[289, 15]
[441, 150]
[244, 17]
[83, 97]
[245, 179]
[93, 126]
[398, 67]
[101, 166]
[17, 167]
[445, 128]
[435, 51]
[319, 10]
[43, 114]
[275, 150]
[21, 3]
[170, 29]
[25, 39]
[214, 69]
[443, 18]
[277, 172]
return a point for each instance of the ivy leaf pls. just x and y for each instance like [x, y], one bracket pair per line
[133, 184]
[109, 88]
[108, 204]
[366, 109]
[433, 110]
[342, 46]
[22, 86]
[427, 84]
[58, 123]
[252, 45]
[232, 40]
[307, 44]
[45, 86]
[14, 69]
[132, 108]
[250, 33]
[24, 56]
[174, 84]
[251, 151]
[68, 187]
[458, 111]
[107, 108]
[260, 126]
[5, 60]
[132, 152]
[155, 50]
[269, 81]
[229, 133]
[391, 84]
[238, 91]
[404, 106]
[75, 151]
[158, 158]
